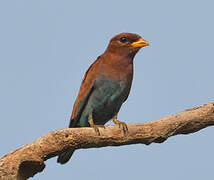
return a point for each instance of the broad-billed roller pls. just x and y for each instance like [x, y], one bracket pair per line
[105, 86]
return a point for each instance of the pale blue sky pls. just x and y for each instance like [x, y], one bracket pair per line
[45, 49]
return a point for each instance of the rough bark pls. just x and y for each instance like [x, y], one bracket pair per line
[28, 160]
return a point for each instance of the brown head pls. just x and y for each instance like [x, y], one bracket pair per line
[126, 44]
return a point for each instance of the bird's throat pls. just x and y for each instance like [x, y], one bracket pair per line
[119, 59]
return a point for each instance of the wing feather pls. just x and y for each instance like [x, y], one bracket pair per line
[86, 89]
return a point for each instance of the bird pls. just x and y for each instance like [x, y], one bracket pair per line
[105, 86]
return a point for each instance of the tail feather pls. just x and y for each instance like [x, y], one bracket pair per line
[65, 156]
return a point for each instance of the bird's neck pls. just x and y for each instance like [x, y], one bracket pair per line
[119, 59]
[120, 66]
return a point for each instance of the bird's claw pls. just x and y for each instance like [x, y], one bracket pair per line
[121, 125]
[94, 126]
[124, 127]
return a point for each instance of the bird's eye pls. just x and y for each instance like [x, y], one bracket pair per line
[123, 39]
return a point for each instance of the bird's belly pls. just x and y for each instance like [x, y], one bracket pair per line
[107, 101]
[104, 113]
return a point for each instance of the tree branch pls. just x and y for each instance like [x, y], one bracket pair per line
[28, 160]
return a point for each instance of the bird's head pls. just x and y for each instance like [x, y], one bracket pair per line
[127, 44]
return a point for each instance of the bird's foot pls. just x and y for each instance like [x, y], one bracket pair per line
[121, 124]
[94, 126]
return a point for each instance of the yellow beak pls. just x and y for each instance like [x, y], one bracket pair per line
[140, 43]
